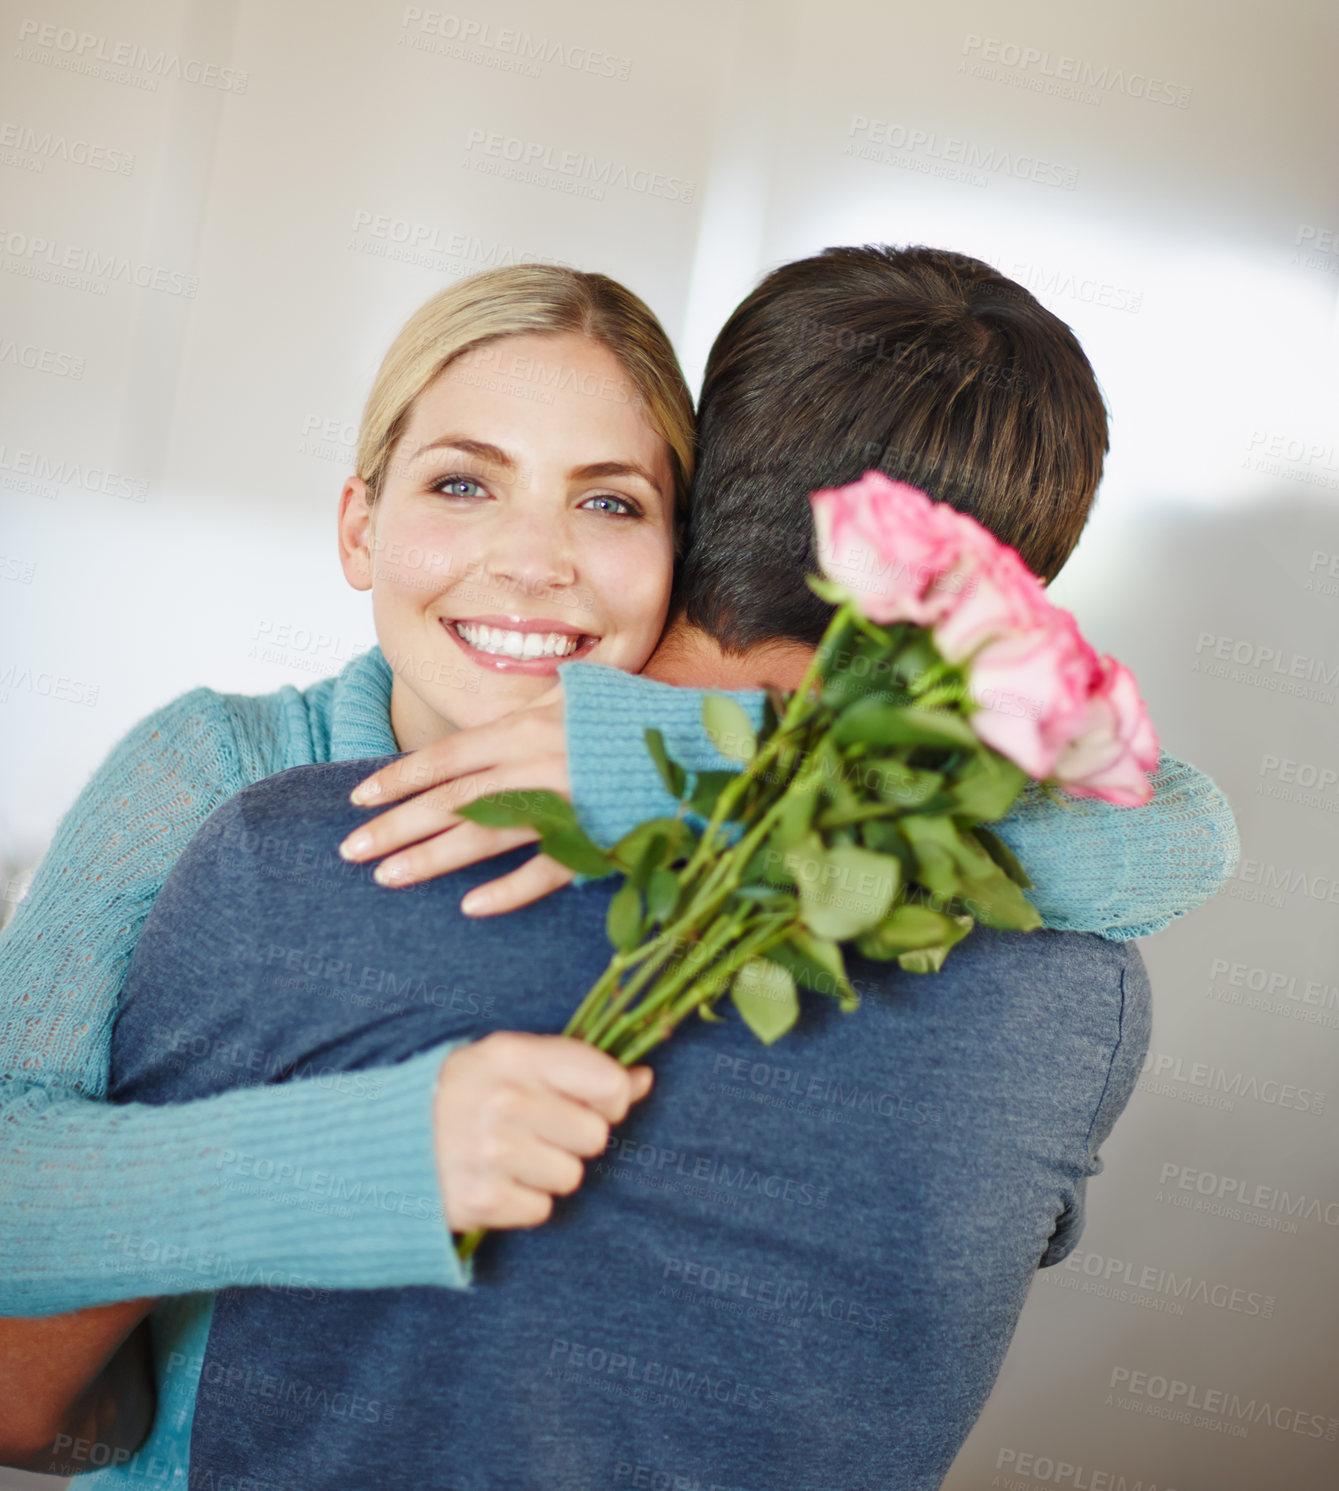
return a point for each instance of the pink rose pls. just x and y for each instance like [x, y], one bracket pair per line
[1032, 690]
[1043, 697]
[892, 546]
[992, 593]
[1115, 746]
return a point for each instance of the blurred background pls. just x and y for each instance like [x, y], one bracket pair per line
[214, 217]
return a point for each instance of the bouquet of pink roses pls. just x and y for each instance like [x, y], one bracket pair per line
[944, 683]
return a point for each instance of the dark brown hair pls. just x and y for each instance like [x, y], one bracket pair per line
[928, 365]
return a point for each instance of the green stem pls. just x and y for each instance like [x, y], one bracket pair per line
[768, 934]
[469, 1242]
[602, 1017]
[601, 1021]
[706, 950]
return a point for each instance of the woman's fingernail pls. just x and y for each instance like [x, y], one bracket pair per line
[389, 873]
[355, 846]
[365, 792]
[476, 902]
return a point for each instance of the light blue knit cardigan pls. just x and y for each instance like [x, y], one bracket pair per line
[102, 1203]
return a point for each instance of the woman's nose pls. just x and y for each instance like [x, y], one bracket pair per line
[532, 552]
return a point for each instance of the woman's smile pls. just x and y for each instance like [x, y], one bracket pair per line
[514, 644]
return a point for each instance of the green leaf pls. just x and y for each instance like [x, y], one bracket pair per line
[730, 728]
[707, 787]
[652, 856]
[884, 837]
[864, 669]
[944, 851]
[936, 866]
[908, 927]
[931, 959]
[671, 837]
[571, 847]
[671, 773]
[623, 922]
[844, 688]
[916, 656]
[1003, 856]
[968, 850]
[797, 813]
[816, 963]
[924, 959]
[987, 787]
[896, 782]
[535, 809]
[768, 864]
[662, 894]
[764, 993]
[843, 890]
[998, 902]
[828, 590]
[874, 722]
[664, 836]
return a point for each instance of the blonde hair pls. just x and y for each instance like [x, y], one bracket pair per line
[526, 300]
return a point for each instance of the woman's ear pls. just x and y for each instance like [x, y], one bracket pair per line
[355, 534]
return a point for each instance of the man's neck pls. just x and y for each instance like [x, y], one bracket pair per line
[691, 658]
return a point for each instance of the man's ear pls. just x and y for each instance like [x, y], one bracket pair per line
[355, 534]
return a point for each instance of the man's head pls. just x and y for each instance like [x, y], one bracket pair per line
[928, 365]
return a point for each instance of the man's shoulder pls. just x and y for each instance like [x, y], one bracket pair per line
[294, 818]
[294, 803]
[304, 792]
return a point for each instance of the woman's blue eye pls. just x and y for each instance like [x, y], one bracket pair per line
[620, 504]
[459, 486]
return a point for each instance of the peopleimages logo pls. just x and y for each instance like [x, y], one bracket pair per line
[957, 153]
[545, 165]
[41, 359]
[1245, 1200]
[35, 256]
[769, 1296]
[1151, 1279]
[1163, 1067]
[118, 61]
[1274, 992]
[1068, 77]
[503, 46]
[1222, 1404]
[43, 145]
[1029, 1469]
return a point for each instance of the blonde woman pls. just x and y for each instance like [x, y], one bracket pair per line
[523, 471]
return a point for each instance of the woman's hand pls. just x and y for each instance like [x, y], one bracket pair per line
[514, 1114]
[524, 749]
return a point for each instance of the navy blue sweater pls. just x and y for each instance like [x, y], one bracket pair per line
[795, 1266]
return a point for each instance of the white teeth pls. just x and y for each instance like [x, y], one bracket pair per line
[520, 645]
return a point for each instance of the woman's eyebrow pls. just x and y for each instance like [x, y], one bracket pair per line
[614, 468]
[479, 448]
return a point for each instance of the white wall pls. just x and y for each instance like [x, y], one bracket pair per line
[1192, 244]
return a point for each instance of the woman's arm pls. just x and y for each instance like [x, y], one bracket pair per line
[99, 1203]
[76, 1380]
[1120, 872]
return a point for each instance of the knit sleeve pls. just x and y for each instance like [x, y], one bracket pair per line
[99, 1203]
[1125, 872]
[1119, 872]
[615, 784]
